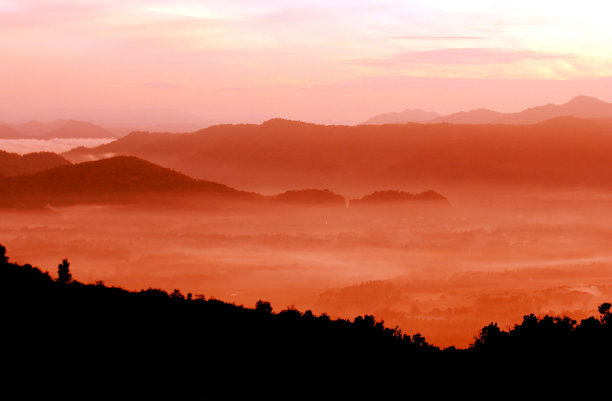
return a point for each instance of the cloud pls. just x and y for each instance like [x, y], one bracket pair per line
[426, 37]
[34, 13]
[460, 56]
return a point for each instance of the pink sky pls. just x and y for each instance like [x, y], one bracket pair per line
[322, 61]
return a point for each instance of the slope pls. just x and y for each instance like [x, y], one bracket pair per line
[119, 179]
[15, 164]
[281, 154]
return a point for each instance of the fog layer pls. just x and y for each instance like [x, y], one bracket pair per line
[442, 270]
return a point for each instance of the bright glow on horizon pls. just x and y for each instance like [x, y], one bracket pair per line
[198, 56]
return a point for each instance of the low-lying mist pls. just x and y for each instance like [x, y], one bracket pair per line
[444, 271]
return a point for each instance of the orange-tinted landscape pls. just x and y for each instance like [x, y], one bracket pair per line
[437, 167]
[438, 228]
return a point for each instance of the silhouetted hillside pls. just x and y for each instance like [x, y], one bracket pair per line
[14, 164]
[311, 197]
[398, 197]
[403, 117]
[165, 345]
[9, 133]
[117, 179]
[129, 145]
[36, 129]
[130, 179]
[580, 107]
[558, 153]
[77, 129]
[478, 116]
[60, 129]
[549, 335]
[73, 339]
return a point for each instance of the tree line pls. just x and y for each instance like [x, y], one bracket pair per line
[150, 343]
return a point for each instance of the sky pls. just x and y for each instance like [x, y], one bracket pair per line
[332, 61]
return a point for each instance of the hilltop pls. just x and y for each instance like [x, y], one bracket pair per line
[117, 179]
[12, 164]
[579, 106]
[59, 129]
[77, 129]
[171, 345]
[386, 197]
[128, 179]
[409, 115]
[561, 153]
[311, 197]
[9, 133]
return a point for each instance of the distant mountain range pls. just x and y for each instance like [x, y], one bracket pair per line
[12, 164]
[115, 180]
[579, 106]
[54, 129]
[127, 179]
[7, 132]
[410, 115]
[563, 152]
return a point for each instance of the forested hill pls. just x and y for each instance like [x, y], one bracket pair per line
[92, 341]
[562, 153]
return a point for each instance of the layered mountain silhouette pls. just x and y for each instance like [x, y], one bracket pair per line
[127, 179]
[78, 129]
[9, 133]
[36, 129]
[579, 106]
[410, 115]
[58, 129]
[563, 152]
[398, 197]
[311, 197]
[117, 179]
[14, 164]
[478, 116]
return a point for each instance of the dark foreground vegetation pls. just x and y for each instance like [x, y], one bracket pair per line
[90, 341]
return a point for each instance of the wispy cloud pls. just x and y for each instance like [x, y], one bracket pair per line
[460, 56]
[186, 53]
[426, 37]
[164, 86]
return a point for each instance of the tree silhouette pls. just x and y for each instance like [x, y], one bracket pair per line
[604, 311]
[63, 273]
[263, 306]
[489, 336]
[3, 258]
[419, 340]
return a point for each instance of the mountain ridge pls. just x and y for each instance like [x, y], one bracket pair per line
[117, 179]
[398, 197]
[12, 164]
[122, 179]
[580, 106]
[60, 129]
[78, 129]
[408, 115]
[279, 153]
[7, 132]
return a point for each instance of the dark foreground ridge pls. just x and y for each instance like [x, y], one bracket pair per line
[90, 341]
